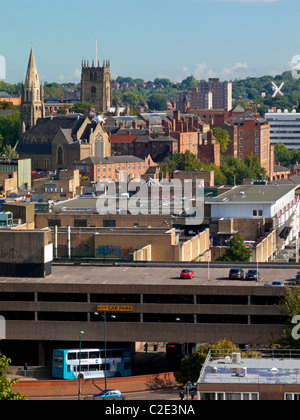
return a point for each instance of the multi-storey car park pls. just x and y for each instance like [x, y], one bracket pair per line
[46, 313]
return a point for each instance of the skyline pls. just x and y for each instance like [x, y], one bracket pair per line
[228, 39]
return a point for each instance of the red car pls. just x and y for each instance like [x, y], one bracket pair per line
[186, 274]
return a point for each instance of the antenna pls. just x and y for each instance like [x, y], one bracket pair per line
[96, 52]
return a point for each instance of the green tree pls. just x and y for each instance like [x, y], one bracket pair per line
[6, 392]
[289, 306]
[191, 366]
[157, 102]
[237, 251]
[81, 107]
[282, 154]
[253, 163]
[223, 138]
[9, 128]
[190, 81]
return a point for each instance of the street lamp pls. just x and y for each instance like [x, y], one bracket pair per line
[104, 315]
[187, 334]
[187, 351]
[79, 390]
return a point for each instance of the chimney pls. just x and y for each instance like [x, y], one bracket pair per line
[167, 130]
[176, 115]
[210, 137]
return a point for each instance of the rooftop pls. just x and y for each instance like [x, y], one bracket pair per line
[254, 367]
[254, 193]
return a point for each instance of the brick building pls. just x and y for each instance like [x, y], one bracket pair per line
[253, 137]
[221, 93]
[114, 168]
[193, 99]
[211, 95]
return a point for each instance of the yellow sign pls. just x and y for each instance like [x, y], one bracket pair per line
[114, 308]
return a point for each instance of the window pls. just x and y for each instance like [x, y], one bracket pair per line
[229, 396]
[292, 397]
[260, 213]
[54, 222]
[80, 223]
[255, 213]
[109, 223]
[93, 92]
[60, 156]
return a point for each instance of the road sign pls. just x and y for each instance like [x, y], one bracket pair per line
[114, 308]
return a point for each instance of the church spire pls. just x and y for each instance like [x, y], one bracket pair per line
[32, 78]
[32, 97]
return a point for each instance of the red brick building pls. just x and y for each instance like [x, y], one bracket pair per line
[114, 168]
[176, 134]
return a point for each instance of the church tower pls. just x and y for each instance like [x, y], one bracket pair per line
[32, 98]
[96, 85]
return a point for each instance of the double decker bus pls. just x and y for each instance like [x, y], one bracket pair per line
[65, 363]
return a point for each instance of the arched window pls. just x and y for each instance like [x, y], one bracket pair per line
[93, 92]
[37, 95]
[60, 155]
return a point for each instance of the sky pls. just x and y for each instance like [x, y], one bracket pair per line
[145, 39]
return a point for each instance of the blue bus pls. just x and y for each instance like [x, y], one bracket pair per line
[65, 363]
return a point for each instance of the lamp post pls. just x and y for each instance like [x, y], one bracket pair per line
[187, 349]
[79, 389]
[104, 315]
[187, 335]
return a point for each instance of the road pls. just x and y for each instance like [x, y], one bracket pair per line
[160, 395]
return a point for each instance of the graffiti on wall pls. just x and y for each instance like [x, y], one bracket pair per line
[113, 251]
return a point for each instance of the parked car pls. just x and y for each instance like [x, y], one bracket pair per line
[110, 394]
[277, 283]
[186, 274]
[252, 275]
[298, 277]
[236, 273]
[87, 195]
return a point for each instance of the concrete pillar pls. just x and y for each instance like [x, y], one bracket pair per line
[41, 355]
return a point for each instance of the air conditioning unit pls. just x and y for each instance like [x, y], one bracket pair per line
[236, 358]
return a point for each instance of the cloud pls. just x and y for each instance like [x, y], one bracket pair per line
[236, 68]
[202, 71]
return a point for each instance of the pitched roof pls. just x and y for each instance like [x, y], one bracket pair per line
[50, 126]
[94, 160]
[122, 138]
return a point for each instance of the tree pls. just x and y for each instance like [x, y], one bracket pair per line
[9, 128]
[253, 163]
[289, 307]
[191, 366]
[237, 251]
[282, 154]
[190, 81]
[6, 392]
[81, 107]
[157, 102]
[223, 138]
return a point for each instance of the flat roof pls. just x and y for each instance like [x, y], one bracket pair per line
[157, 275]
[253, 193]
[260, 369]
